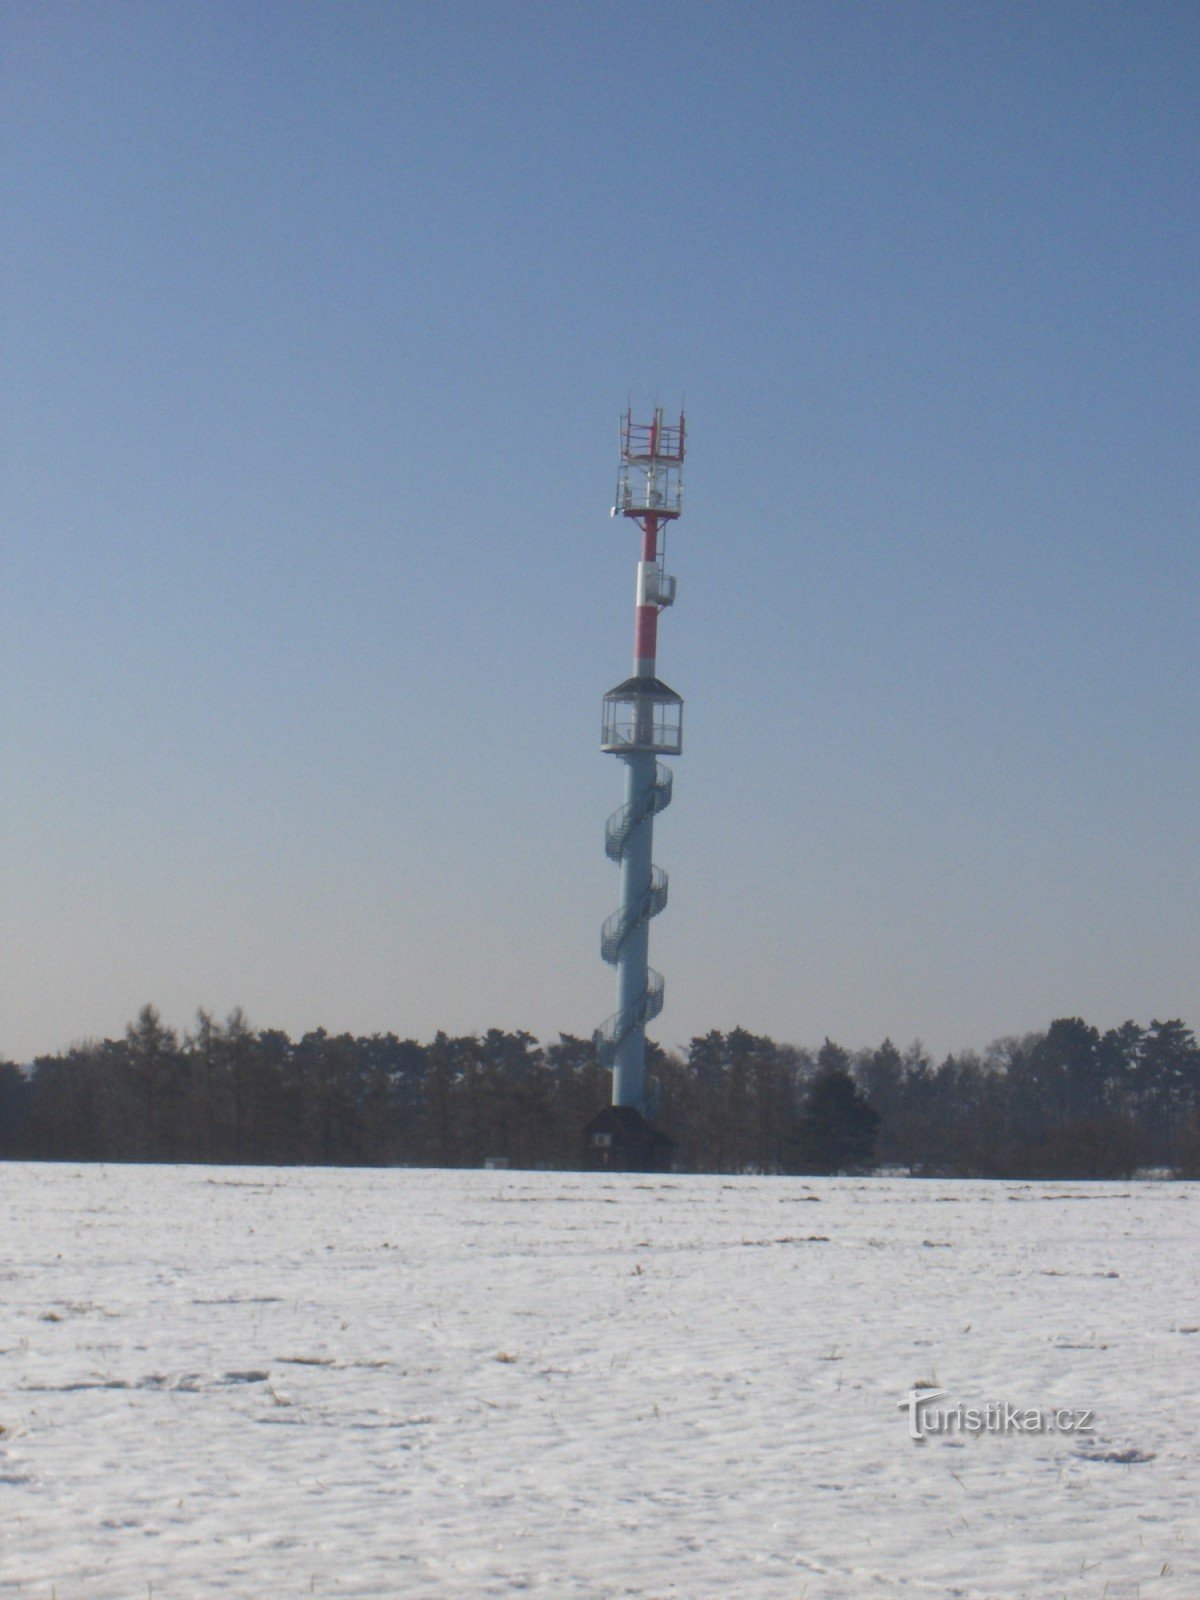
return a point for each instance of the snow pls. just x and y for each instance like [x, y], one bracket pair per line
[275, 1383]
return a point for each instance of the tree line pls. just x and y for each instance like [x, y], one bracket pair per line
[1069, 1102]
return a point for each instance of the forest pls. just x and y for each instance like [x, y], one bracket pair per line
[1069, 1102]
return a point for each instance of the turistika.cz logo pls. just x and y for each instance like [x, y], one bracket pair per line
[927, 1418]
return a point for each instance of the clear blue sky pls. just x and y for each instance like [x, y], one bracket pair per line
[318, 321]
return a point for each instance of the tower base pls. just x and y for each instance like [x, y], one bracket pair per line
[619, 1139]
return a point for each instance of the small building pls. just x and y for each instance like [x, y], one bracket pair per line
[619, 1139]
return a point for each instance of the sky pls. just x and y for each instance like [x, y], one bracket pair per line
[318, 322]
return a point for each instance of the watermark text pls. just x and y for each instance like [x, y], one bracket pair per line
[926, 1418]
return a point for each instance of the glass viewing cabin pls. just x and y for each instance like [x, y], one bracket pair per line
[642, 714]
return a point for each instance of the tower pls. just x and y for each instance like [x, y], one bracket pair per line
[643, 720]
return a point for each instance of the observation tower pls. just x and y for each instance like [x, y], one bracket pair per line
[643, 721]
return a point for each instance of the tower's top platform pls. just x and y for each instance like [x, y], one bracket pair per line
[650, 476]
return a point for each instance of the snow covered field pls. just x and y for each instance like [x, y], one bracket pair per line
[276, 1383]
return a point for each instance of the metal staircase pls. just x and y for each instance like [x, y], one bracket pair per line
[609, 1034]
[626, 818]
[619, 830]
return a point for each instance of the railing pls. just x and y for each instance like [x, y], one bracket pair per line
[609, 1035]
[621, 924]
[626, 818]
[629, 732]
[654, 798]
[658, 494]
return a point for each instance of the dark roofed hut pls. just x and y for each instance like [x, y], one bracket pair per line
[619, 1139]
